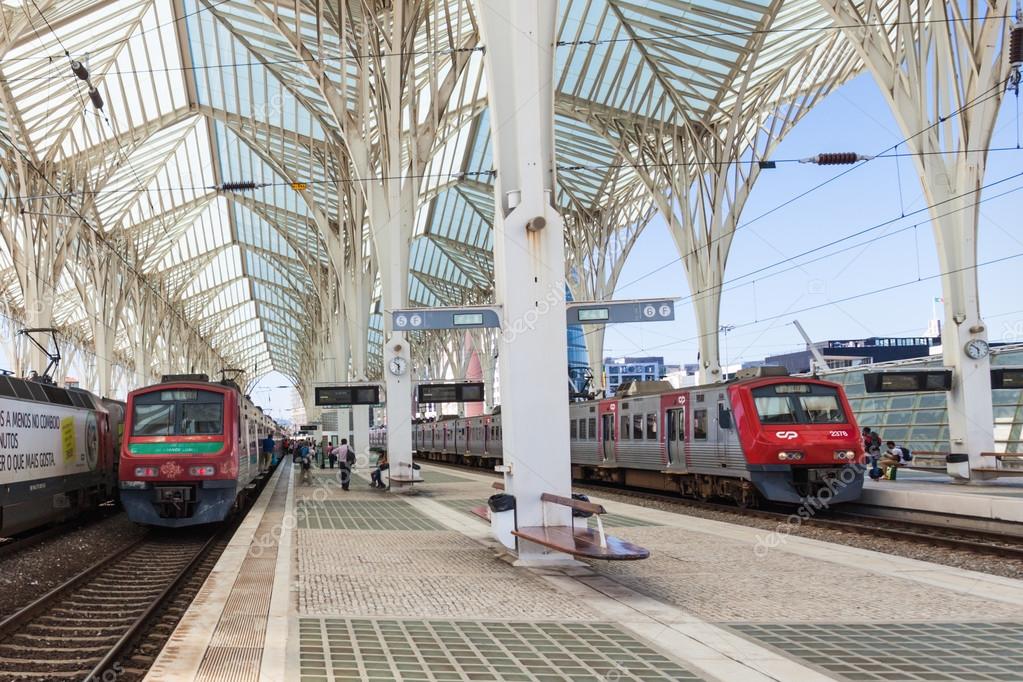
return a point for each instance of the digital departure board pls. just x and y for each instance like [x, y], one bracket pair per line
[900, 381]
[1007, 377]
[340, 396]
[450, 393]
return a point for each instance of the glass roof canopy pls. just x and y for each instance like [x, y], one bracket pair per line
[203, 92]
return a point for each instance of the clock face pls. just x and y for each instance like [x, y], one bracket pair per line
[397, 366]
[977, 348]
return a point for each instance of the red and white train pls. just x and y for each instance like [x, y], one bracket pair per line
[190, 448]
[765, 436]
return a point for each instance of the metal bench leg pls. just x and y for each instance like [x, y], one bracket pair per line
[600, 530]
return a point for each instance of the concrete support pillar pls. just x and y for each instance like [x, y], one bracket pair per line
[529, 264]
[945, 98]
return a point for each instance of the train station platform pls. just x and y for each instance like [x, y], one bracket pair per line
[322, 584]
[999, 500]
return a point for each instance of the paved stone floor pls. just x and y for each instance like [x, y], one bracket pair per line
[726, 581]
[374, 586]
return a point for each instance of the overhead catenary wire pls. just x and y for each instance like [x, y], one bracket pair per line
[244, 185]
[724, 286]
[846, 299]
[994, 91]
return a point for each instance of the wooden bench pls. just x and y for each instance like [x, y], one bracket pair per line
[580, 542]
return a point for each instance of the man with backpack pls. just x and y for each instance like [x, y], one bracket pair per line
[305, 457]
[346, 459]
[872, 448]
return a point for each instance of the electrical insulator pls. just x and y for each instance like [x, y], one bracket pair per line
[97, 100]
[237, 186]
[1016, 45]
[837, 158]
[80, 70]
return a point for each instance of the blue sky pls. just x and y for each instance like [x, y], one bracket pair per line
[853, 118]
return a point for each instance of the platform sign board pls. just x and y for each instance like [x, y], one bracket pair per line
[908, 381]
[472, 317]
[619, 312]
[344, 396]
[309, 427]
[463, 392]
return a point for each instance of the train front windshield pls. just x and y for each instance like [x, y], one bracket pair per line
[178, 412]
[798, 404]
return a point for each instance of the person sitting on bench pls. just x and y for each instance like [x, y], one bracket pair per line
[376, 478]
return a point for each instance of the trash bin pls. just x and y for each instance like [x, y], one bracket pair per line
[580, 519]
[502, 518]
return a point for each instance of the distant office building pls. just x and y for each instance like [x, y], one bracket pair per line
[619, 370]
[853, 352]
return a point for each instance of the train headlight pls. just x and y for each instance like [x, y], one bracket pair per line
[790, 456]
[845, 455]
[143, 472]
[202, 471]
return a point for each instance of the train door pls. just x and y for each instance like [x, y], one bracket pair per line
[673, 408]
[675, 436]
[608, 417]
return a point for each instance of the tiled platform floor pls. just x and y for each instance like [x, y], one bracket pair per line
[345, 648]
[902, 650]
[382, 587]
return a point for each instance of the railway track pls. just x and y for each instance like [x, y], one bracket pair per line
[110, 621]
[991, 544]
[14, 545]
[78, 630]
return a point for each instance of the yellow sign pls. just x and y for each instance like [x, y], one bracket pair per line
[67, 438]
[299, 186]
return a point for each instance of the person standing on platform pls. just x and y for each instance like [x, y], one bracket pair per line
[268, 452]
[346, 458]
[331, 455]
[306, 460]
[871, 445]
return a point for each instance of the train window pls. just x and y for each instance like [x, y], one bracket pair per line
[651, 427]
[5, 386]
[623, 432]
[194, 413]
[637, 427]
[815, 405]
[593, 428]
[676, 425]
[699, 424]
[201, 418]
[724, 416]
[153, 420]
[575, 430]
